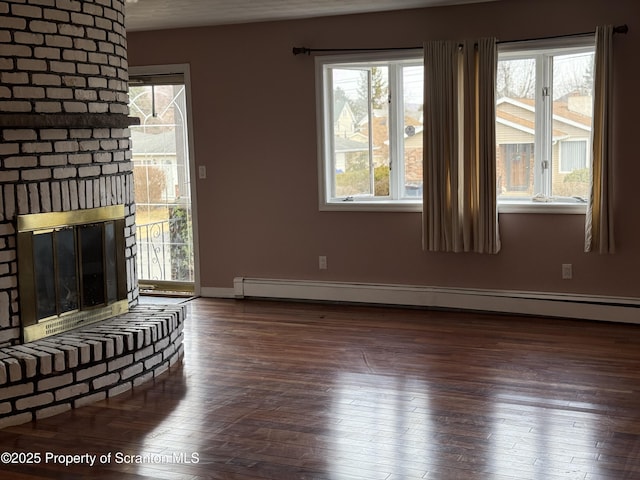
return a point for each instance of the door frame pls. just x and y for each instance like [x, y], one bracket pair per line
[182, 69]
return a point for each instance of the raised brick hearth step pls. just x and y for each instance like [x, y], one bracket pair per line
[72, 369]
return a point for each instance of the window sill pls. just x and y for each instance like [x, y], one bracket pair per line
[527, 206]
[373, 206]
[507, 207]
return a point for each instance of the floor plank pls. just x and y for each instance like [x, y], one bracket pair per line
[275, 390]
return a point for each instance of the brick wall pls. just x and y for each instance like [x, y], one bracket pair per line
[64, 138]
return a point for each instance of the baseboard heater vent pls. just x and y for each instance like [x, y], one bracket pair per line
[588, 307]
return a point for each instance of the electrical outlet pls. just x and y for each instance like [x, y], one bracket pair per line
[567, 271]
[202, 172]
[322, 262]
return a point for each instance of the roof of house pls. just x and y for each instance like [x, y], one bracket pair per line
[344, 145]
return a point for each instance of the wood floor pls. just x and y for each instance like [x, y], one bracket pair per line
[285, 391]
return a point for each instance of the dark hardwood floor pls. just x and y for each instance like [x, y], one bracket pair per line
[285, 391]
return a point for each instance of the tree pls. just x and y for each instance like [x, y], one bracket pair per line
[516, 78]
[372, 87]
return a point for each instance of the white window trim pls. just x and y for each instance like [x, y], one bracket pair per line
[325, 173]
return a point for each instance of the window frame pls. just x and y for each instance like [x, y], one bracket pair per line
[324, 111]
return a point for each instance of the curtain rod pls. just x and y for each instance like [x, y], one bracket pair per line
[309, 51]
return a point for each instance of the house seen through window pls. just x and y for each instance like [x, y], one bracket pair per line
[372, 125]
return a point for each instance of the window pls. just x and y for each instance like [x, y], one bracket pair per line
[573, 155]
[543, 121]
[371, 128]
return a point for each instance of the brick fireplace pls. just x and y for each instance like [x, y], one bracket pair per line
[64, 149]
[63, 125]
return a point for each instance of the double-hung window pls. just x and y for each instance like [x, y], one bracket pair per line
[543, 123]
[371, 127]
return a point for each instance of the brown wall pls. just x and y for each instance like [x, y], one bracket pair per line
[254, 126]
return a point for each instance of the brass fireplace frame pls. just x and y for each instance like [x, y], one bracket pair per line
[33, 224]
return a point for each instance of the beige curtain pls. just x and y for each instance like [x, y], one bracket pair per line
[460, 211]
[599, 220]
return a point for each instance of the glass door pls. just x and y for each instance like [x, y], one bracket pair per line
[160, 154]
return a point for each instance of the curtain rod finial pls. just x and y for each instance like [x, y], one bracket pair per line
[301, 50]
[622, 29]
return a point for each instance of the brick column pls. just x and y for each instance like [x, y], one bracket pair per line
[64, 138]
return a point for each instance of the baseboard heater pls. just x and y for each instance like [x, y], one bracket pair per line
[588, 307]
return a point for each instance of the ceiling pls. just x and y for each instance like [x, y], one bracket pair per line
[162, 14]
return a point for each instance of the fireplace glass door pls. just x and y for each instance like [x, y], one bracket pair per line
[55, 280]
[71, 269]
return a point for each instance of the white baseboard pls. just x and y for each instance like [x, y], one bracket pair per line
[213, 292]
[588, 307]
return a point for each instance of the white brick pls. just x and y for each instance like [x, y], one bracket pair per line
[28, 38]
[51, 411]
[28, 92]
[142, 379]
[31, 64]
[71, 391]
[9, 148]
[44, 359]
[29, 362]
[106, 380]
[66, 146]
[26, 11]
[57, 356]
[159, 370]
[119, 363]
[61, 173]
[51, 53]
[15, 106]
[145, 352]
[21, 134]
[47, 79]
[16, 390]
[54, 134]
[42, 27]
[131, 371]
[59, 40]
[34, 401]
[89, 399]
[55, 382]
[36, 174]
[91, 372]
[152, 361]
[15, 420]
[21, 162]
[59, 93]
[37, 147]
[48, 107]
[125, 387]
[75, 107]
